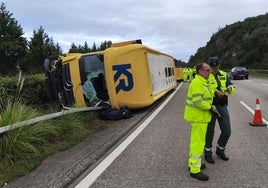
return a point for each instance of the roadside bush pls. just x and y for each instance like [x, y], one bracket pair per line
[32, 93]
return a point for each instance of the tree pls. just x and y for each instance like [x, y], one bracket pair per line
[94, 48]
[241, 43]
[40, 47]
[12, 45]
[103, 45]
[73, 48]
[86, 49]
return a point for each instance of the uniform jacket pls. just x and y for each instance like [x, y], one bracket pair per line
[220, 85]
[198, 101]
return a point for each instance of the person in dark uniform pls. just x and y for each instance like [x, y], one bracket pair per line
[222, 87]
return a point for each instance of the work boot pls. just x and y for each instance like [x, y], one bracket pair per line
[221, 154]
[209, 158]
[200, 176]
[203, 166]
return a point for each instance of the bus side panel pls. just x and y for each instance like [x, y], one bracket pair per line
[128, 77]
[161, 73]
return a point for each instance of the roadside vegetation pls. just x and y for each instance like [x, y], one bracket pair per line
[258, 73]
[23, 149]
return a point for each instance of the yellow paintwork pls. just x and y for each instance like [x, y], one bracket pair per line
[179, 74]
[140, 91]
[72, 59]
[141, 95]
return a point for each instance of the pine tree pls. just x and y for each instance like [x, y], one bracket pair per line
[41, 46]
[13, 46]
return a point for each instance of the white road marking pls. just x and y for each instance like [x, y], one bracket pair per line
[264, 84]
[94, 174]
[252, 111]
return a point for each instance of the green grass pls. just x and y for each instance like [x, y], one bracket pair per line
[12, 112]
[23, 149]
[258, 74]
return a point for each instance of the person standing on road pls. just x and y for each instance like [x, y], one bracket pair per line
[197, 112]
[222, 87]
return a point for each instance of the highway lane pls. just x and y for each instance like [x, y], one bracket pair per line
[249, 90]
[157, 157]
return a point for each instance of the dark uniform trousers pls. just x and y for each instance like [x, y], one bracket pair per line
[225, 126]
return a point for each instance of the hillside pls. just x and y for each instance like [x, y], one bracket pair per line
[244, 43]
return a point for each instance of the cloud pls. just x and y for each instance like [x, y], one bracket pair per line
[176, 27]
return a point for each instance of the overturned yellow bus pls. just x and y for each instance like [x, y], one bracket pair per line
[130, 74]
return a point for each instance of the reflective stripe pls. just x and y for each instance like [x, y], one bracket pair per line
[190, 105]
[196, 164]
[197, 95]
[208, 149]
[221, 148]
[258, 107]
[197, 102]
[195, 156]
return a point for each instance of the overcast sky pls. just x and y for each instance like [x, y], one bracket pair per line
[175, 27]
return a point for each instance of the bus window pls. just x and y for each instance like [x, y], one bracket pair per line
[93, 78]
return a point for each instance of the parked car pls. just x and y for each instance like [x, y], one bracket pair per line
[238, 73]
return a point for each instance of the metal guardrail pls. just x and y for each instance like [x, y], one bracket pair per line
[258, 72]
[46, 117]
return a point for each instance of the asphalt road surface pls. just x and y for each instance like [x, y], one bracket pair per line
[151, 149]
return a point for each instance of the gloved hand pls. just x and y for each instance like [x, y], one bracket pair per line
[215, 111]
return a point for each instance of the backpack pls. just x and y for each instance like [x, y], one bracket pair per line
[108, 113]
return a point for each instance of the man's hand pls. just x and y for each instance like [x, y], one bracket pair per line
[229, 89]
[220, 94]
[215, 111]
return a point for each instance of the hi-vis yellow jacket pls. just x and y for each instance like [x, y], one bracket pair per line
[199, 101]
[220, 85]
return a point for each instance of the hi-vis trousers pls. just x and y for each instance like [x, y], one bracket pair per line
[197, 144]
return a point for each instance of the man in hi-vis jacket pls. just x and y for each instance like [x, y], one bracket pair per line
[197, 112]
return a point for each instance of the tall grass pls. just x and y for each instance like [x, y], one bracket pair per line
[15, 111]
[23, 149]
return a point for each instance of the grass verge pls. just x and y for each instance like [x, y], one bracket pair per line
[23, 149]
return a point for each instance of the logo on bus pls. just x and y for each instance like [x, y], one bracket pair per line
[124, 84]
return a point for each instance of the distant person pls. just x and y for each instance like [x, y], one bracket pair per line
[222, 87]
[185, 74]
[197, 112]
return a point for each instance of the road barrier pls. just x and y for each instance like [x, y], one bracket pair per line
[47, 117]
